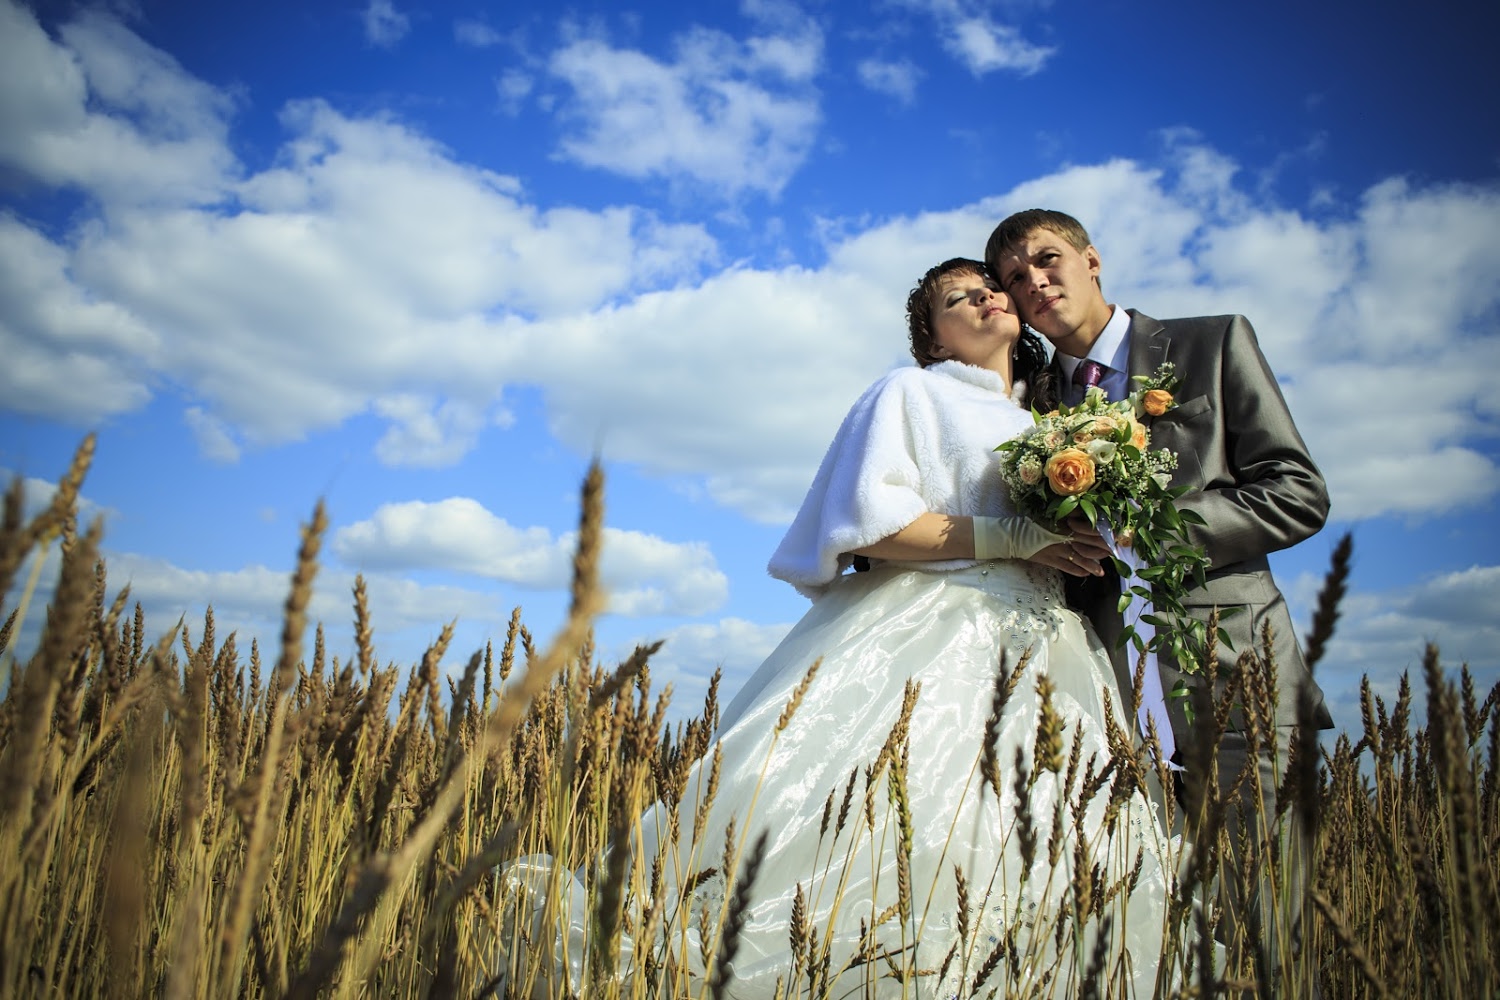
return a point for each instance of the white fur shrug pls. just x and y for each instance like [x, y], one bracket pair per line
[918, 440]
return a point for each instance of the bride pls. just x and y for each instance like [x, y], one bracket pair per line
[926, 790]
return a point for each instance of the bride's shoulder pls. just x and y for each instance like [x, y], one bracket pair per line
[900, 381]
[945, 375]
[912, 386]
[905, 375]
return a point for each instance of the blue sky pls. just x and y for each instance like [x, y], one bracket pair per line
[424, 260]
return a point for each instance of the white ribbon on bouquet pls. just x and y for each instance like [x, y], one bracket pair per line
[1153, 698]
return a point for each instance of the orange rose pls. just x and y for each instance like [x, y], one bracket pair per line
[1107, 425]
[1070, 472]
[1156, 401]
[1138, 434]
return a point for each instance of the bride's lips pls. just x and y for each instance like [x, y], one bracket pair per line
[992, 310]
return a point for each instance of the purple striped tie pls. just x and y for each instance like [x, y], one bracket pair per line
[1087, 374]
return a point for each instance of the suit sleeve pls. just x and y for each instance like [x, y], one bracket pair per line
[1273, 496]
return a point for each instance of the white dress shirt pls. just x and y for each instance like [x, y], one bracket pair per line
[1112, 350]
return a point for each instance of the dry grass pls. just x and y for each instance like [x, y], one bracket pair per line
[176, 821]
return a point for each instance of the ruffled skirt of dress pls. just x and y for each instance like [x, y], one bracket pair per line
[889, 866]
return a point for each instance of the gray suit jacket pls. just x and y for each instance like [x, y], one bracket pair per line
[1252, 481]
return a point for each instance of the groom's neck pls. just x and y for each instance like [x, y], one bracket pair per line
[1081, 340]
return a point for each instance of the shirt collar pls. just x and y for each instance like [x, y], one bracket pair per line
[1111, 348]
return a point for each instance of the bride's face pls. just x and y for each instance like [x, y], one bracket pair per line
[973, 321]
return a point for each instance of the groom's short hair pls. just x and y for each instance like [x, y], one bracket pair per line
[1020, 225]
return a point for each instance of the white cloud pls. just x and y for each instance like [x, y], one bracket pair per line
[644, 575]
[728, 115]
[718, 354]
[1426, 251]
[215, 438]
[251, 595]
[896, 79]
[984, 46]
[468, 31]
[1381, 635]
[68, 356]
[1173, 243]
[363, 258]
[1349, 312]
[35, 581]
[513, 87]
[405, 615]
[384, 24]
[426, 434]
[1465, 596]
[36, 495]
[39, 568]
[456, 534]
[103, 111]
[690, 655]
[970, 33]
[369, 270]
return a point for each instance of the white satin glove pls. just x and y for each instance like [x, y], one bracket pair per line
[1011, 538]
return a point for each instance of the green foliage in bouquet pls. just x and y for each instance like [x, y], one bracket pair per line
[1095, 459]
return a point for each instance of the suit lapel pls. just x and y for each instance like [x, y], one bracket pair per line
[1149, 344]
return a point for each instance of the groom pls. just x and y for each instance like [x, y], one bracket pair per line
[1250, 476]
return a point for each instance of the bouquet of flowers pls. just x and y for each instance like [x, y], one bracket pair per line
[1095, 459]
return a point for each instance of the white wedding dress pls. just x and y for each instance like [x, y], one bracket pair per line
[890, 867]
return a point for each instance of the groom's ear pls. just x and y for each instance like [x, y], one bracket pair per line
[1095, 262]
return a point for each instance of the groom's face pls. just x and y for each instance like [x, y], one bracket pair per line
[1055, 286]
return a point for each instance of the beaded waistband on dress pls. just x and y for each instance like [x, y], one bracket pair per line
[996, 576]
[1008, 576]
[1012, 576]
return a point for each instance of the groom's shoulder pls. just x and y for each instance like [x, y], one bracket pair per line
[1190, 326]
[1220, 322]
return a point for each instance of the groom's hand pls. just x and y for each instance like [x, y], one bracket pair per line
[1083, 554]
[1087, 540]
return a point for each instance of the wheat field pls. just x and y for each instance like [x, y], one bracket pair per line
[181, 817]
